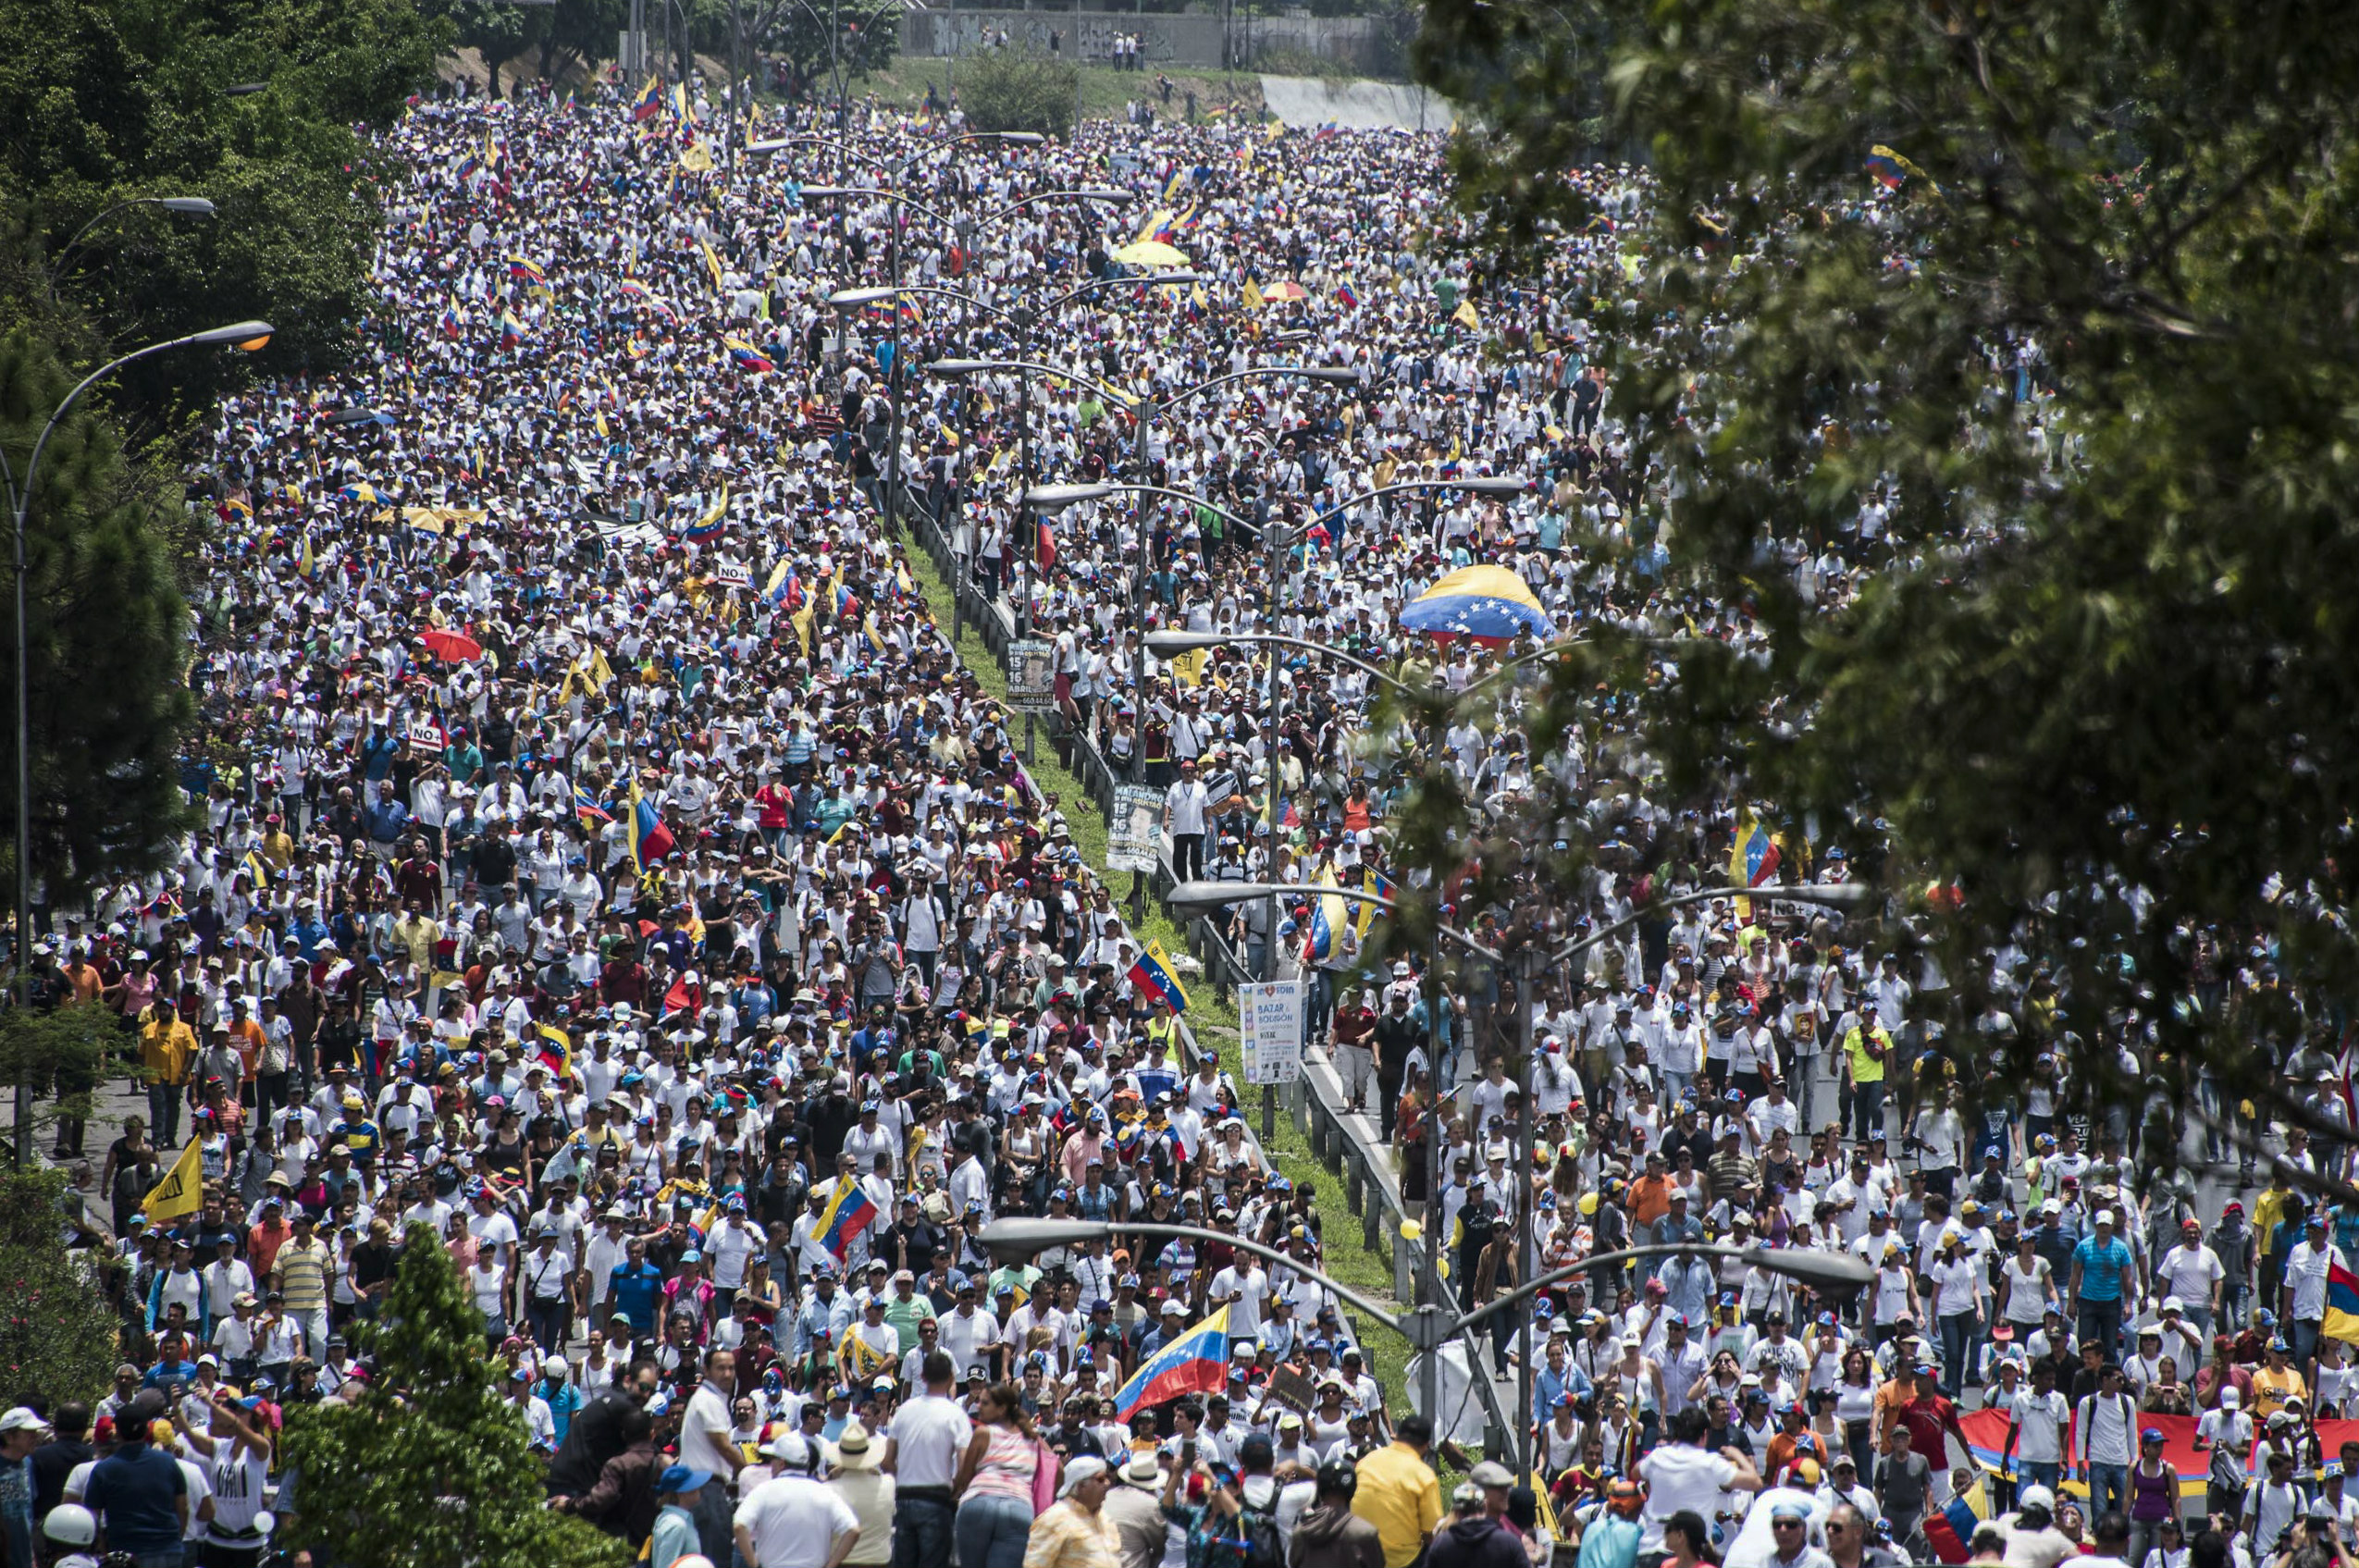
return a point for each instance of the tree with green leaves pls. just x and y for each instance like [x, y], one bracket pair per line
[828, 42]
[58, 1056]
[106, 616]
[58, 1332]
[1019, 89]
[499, 33]
[426, 1462]
[2091, 360]
[102, 101]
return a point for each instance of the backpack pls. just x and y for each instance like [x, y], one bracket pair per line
[1259, 1526]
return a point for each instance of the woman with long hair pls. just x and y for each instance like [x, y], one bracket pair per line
[1855, 1404]
[996, 1481]
[1685, 1540]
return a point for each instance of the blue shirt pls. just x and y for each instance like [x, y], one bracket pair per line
[563, 1399]
[135, 1493]
[164, 1374]
[1546, 1385]
[2102, 1264]
[635, 1293]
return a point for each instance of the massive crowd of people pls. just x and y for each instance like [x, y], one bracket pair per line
[607, 863]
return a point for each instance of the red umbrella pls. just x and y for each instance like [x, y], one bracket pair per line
[456, 647]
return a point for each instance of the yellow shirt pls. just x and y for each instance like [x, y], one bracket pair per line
[2268, 1213]
[1864, 1067]
[2271, 1389]
[1068, 1535]
[164, 1051]
[1401, 1496]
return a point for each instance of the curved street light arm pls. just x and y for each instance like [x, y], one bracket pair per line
[1028, 1237]
[1825, 1270]
[1834, 895]
[24, 499]
[174, 203]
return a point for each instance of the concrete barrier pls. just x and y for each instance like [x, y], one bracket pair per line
[1357, 104]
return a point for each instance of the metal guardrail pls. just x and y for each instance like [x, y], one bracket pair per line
[997, 628]
[1371, 1192]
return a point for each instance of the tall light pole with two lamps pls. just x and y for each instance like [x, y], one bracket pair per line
[1528, 963]
[1018, 1239]
[890, 193]
[1277, 542]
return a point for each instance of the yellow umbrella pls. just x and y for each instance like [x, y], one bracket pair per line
[1150, 253]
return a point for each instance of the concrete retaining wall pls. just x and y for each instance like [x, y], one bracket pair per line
[1188, 40]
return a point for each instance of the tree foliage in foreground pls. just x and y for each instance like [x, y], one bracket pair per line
[105, 100]
[108, 633]
[2110, 697]
[429, 1464]
[57, 1332]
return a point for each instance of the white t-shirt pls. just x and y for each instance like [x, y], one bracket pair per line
[794, 1522]
[2188, 1273]
[1677, 1476]
[929, 1434]
[708, 1412]
[2040, 1421]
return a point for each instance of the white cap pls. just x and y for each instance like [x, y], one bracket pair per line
[23, 1419]
[2172, 1304]
[2228, 1398]
[2105, 1216]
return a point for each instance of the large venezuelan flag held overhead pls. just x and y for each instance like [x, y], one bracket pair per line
[1195, 1363]
[1484, 604]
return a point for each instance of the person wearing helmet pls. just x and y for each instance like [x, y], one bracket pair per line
[1330, 1535]
[72, 1530]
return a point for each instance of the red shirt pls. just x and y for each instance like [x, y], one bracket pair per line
[1927, 1417]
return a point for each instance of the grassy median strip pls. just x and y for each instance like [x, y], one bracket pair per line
[1213, 1020]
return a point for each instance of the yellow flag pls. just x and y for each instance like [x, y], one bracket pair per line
[713, 515]
[698, 159]
[713, 262]
[1188, 667]
[802, 623]
[866, 1360]
[597, 422]
[1384, 471]
[1464, 315]
[1155, 220]
[1253, 295]
[181, 1191]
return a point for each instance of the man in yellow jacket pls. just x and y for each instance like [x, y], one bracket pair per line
[166, 1047]
[1867, 1058]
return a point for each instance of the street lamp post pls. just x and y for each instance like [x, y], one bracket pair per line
[1277, 543]
[894, 374]
[1023, 321]
[1528, 964]
[1017, 1240]
[248, 335]
[185, 206]
[957, 367]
